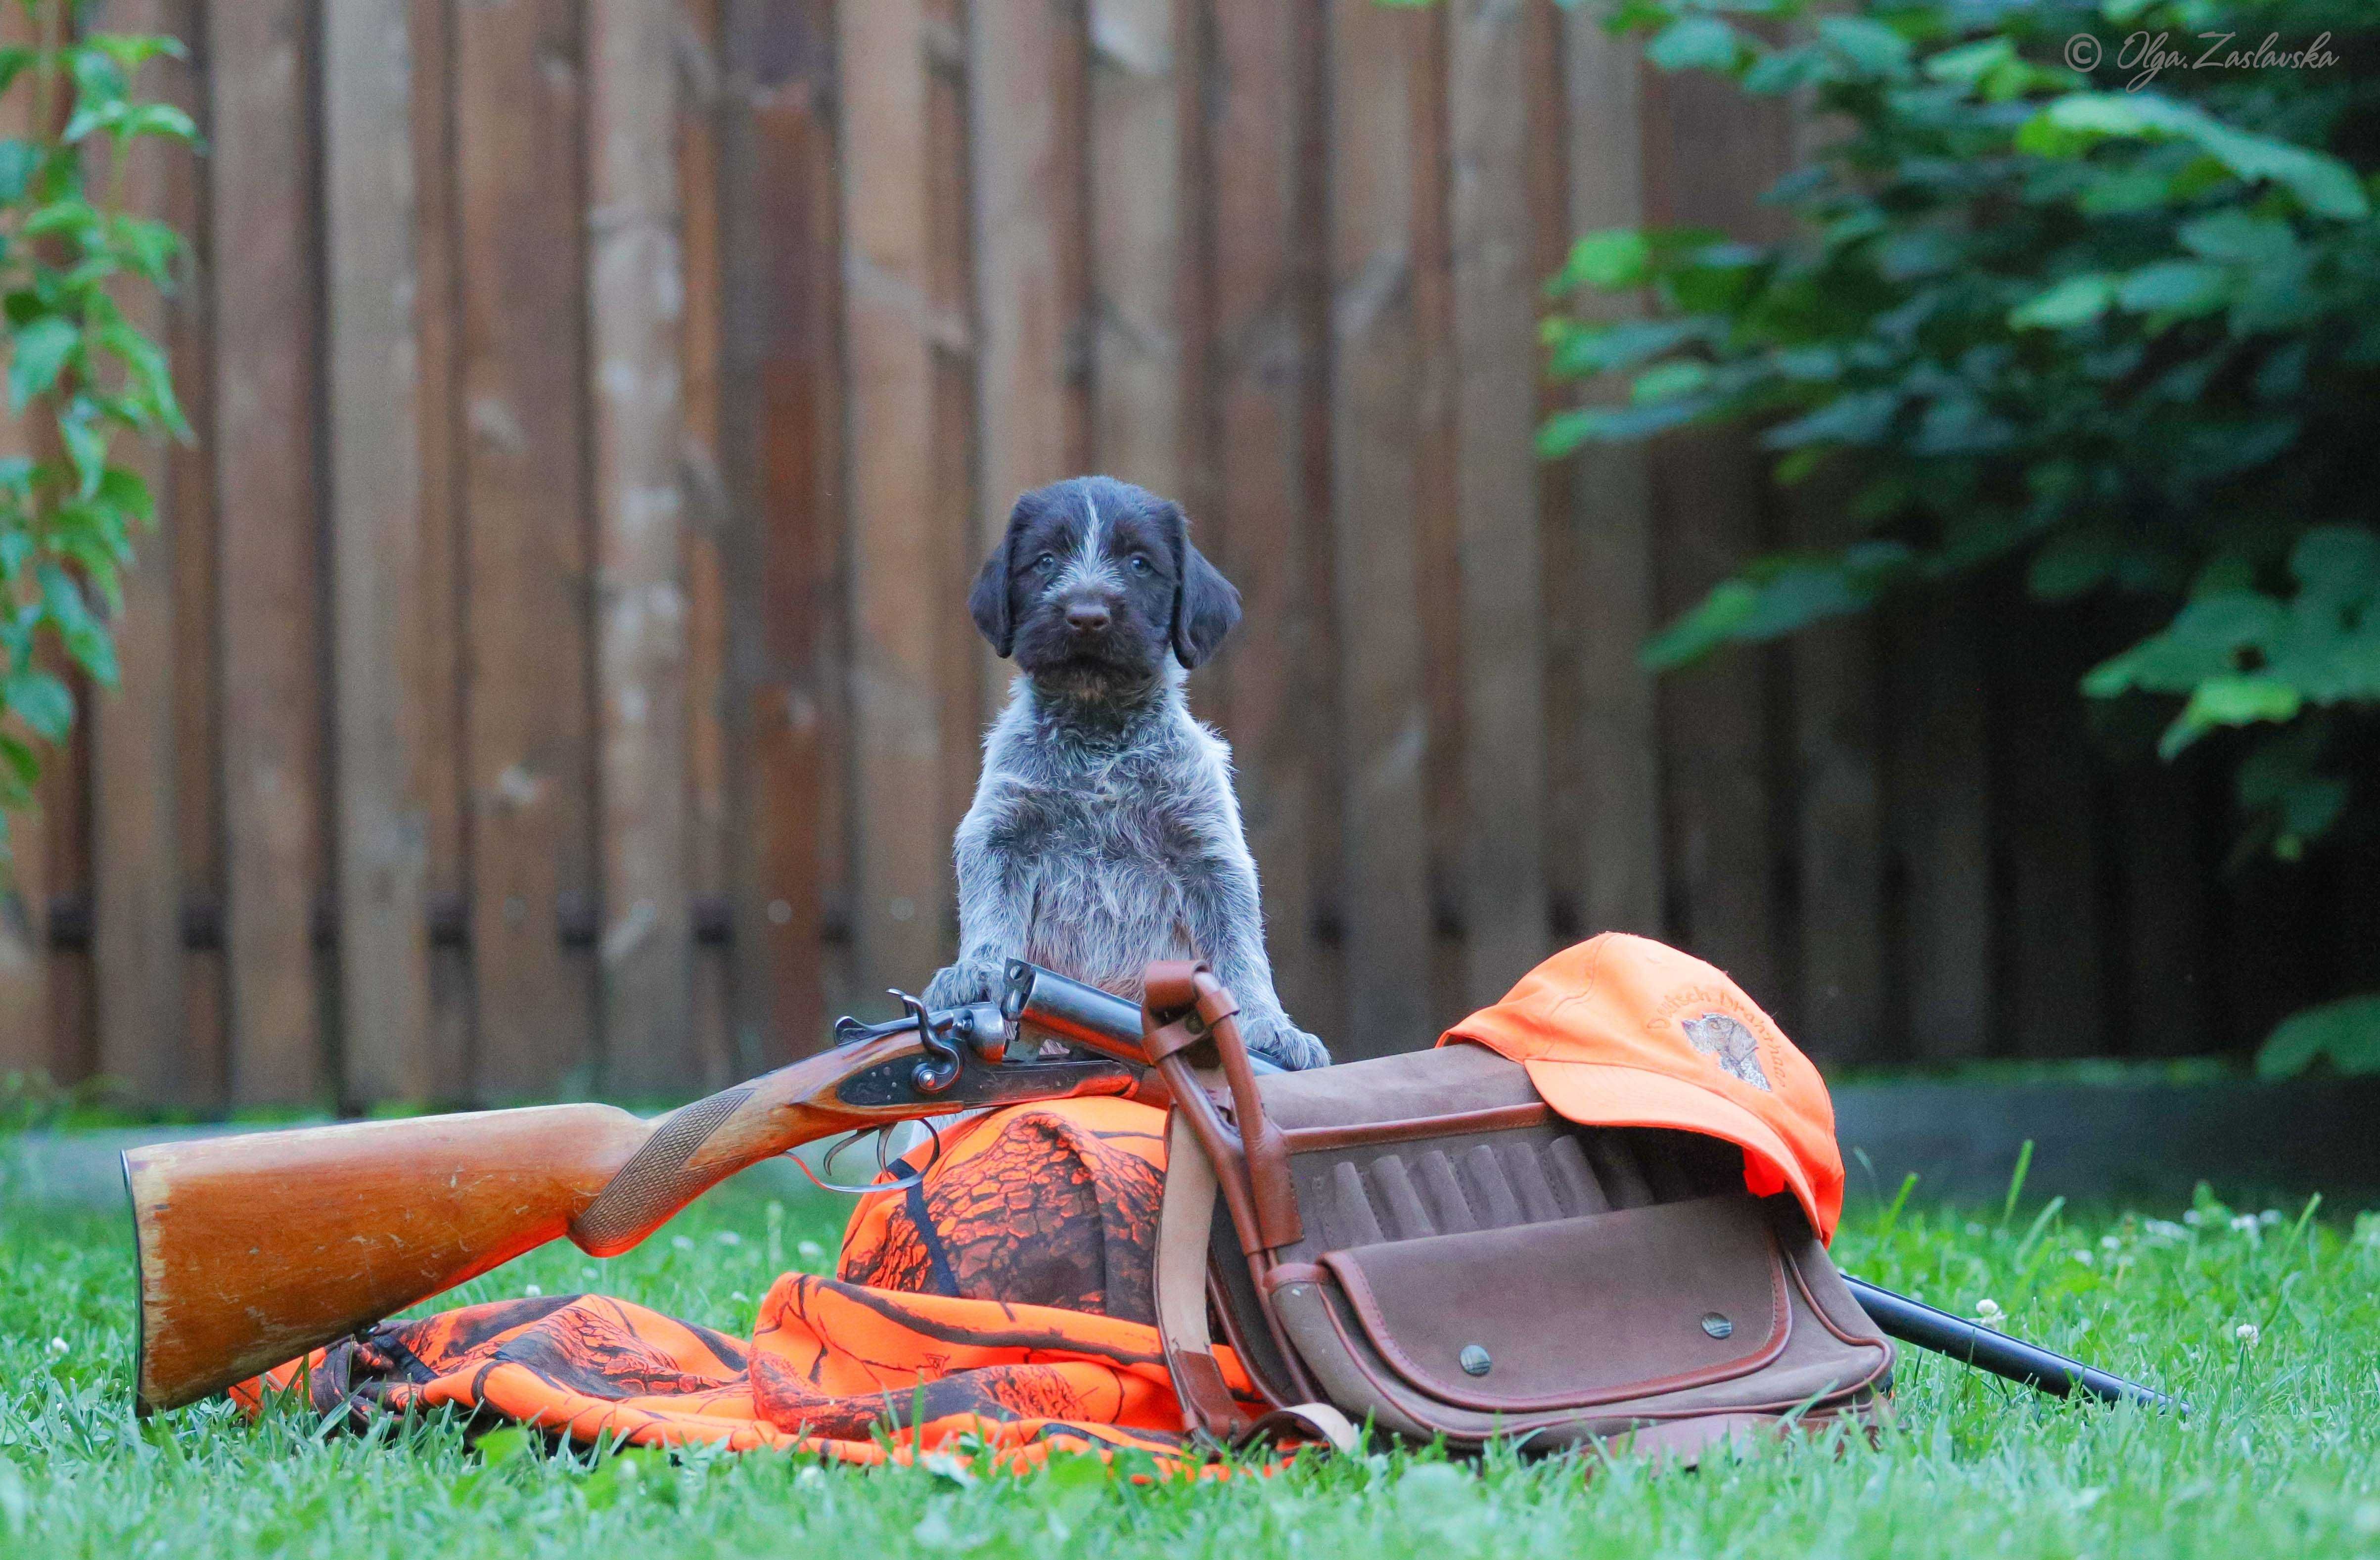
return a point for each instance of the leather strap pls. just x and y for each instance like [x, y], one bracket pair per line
[1181, 1006]
[1307, 1422]
[1183, 1219]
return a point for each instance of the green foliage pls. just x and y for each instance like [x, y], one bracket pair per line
[2346, 1034]
[81, 374]
[2122, 325]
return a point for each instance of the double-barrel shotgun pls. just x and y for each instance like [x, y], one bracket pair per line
[259, 1248]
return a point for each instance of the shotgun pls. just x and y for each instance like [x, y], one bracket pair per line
[256, 1249]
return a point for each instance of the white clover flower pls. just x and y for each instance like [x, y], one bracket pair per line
[2083, 1257]
[531, 1291]
[58, 1345]
[2243, 1222]
[2247, 1333]
[728, 1237]
[1987, 1311]
[2269, 1217]
[2110, 1243]
[683, 1242]
[2193, 1218]
[808, 1250]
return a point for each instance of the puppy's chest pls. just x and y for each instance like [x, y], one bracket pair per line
[1119, 822]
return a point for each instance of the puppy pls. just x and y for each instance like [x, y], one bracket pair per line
[1104, 831]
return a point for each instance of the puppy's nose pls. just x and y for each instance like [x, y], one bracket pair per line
[1087, 617]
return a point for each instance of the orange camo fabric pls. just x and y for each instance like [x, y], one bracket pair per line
[1008, 1297]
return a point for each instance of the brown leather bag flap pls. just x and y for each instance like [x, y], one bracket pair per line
[1577, 1310]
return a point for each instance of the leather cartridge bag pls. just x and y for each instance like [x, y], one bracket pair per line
[1419, 1242]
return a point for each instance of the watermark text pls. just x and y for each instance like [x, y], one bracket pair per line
[2144, 56]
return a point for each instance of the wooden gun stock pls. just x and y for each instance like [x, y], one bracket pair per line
[255, 1250]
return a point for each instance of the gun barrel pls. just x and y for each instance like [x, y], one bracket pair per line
[1914, 1322]
[1071, 1010]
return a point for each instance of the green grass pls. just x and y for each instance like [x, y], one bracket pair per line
[2281, 1458]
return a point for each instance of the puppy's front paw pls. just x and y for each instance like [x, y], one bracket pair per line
[1283, 1043]
[967, 982]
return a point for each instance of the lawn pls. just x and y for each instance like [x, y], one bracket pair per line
[2282, 1457]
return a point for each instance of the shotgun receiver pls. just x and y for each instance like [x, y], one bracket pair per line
[257, 1248]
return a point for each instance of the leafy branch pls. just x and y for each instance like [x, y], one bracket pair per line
[81, 372]
[2126, 332]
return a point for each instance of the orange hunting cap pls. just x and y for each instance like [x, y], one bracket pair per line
[1624, 1031]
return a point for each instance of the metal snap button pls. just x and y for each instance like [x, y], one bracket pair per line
[1475, 1361]
[1718, 1326]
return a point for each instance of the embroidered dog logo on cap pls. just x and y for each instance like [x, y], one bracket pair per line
[1724, 1039]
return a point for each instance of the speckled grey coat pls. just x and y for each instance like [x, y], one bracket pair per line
[1105, 832]
[1095, 846]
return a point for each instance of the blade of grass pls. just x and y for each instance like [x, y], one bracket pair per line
[2016, 1181]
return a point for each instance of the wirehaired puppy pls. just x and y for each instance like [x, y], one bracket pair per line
[1104, 831]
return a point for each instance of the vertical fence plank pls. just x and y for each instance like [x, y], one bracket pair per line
[1438, 530]
[1561, 590]
[896, 725]
[1618, 737]
[1709, 156]
[781, 451]
[196, 542]
[261, 163]
[1032, 355]
[1381, 602]
[1939, 813]
[1838, 937]
[518, 117]
[1262, 367]
[1136, 239]
[1503, 658]
[376, 554]
[136, 867]
[2161, 834]
[708, 844]
[950, 520]
[443, 768]
[2045, 784]
[636, 309]
[1318, 968]
[1836, 933]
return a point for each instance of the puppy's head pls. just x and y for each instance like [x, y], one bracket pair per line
[1096, 583]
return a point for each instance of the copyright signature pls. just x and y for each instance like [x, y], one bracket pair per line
[2147, 55]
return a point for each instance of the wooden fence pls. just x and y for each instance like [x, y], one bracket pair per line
[552, 672]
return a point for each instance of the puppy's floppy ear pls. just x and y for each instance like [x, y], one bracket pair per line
[1205, 604]
[988, 601]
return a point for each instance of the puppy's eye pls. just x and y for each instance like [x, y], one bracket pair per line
[1139, 564]
[1047, 560]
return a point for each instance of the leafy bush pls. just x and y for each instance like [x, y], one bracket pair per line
[79, 371]
[2121, 322]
